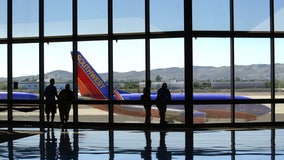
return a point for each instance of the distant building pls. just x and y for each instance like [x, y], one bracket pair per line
[238, 85]
[35, 85]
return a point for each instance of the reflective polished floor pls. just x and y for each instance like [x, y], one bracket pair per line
[57, 143]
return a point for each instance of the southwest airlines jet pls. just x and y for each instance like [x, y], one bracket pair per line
[20, 96]
[91, 85]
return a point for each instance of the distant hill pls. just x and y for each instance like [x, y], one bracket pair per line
[245, 72]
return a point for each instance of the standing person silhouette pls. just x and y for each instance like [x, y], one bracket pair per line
[163, 97]
[146, 98]
[50, 93]
[65, 98]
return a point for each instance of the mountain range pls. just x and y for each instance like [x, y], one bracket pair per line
[200, 73]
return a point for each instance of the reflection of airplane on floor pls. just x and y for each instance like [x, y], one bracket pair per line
[20, 96]
[92, 85]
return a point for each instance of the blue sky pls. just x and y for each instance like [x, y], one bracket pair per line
[129, 17]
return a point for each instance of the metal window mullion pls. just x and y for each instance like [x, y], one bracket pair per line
[75, 58]
[232, 60]
[188, 63]
[41, 62]
[10, 59]
[147, 40]
[272, 60]
[110, 60]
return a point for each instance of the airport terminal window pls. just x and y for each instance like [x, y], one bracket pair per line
[57, 17]
[252, 67]
[211, 54]
[92, 17]
[3, 63]
[162, 51]
[57, 57]
[128, 16]
[278, 15]
[212, 41]
[164, 20]
[25, 18]
[96, 53]
[253, 15]
[3, 77]
[279, 60]
[3, 19]
[25, 71]
[128, 57]
[211, 15]
[212, 75]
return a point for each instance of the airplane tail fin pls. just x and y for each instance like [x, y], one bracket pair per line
[89, 81]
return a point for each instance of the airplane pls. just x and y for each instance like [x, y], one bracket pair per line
[91, 85]
[20, 96]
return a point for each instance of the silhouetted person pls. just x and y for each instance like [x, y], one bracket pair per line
[146, 153]
[51, 145]
[65, 98]
[162, 152]
[65, 149]
[163, 96]
[50, 93]
[146, 98]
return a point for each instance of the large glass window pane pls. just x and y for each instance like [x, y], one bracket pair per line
[252, 67]
[128, 66]
[166, 15]
[252, 73]
[128, 16]
[96, 54]
[252, 15]
[3, 18]
[92, 17]
[26, 80]
[3, 78]
[167, 66]
[211, 15]
[211, 77]
[25, 18]
[278, 15]
[58, 65]
[279, 70]
[57, 17]
[279, 77]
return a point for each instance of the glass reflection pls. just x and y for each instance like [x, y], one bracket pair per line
[92, 17]
[252, 15]
[211, 15]
[128, 16]
[278, 15]
[162, 20]
[25, 18]
[199, 144]
[57, 17]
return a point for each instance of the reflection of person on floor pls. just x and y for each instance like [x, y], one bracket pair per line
[50, 145]
[65, 150]
[146, 153]
[162, 152]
